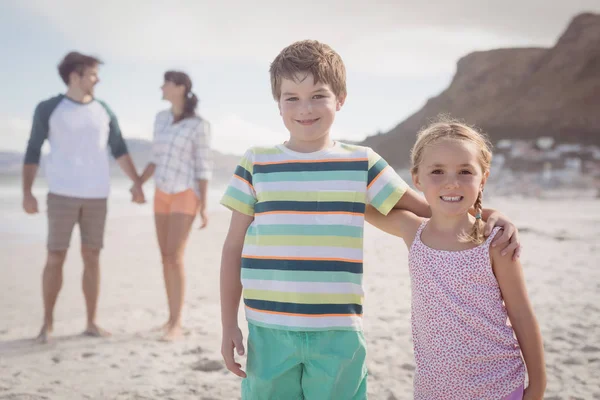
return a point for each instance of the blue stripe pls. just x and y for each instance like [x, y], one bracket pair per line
[306, 230]
[313, 309]
[312, 166]
[308, 176]
[376, 170]
[243, 173]
[302, 265]
[313, 206]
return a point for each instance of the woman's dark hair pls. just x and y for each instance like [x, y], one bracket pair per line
[191, 101]
[75, 62]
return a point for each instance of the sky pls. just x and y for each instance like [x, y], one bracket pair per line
[397, 54]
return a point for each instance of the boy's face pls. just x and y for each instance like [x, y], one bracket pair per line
[87, 81]
[308, 110]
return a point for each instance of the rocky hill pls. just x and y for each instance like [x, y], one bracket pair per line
[518, 93]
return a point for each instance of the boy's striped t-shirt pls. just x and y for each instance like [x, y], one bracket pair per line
[302, 259]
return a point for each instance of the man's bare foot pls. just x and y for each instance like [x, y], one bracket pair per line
[173, 333]
[44, 335]
[94, 330]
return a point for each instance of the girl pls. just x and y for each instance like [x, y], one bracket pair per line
[181, 164]
[463, 290]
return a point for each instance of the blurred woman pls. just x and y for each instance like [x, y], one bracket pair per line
[181, 165]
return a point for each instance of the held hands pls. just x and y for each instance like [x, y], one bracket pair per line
[509, 237]
[233, 339]
[137, 194]
[30, 204]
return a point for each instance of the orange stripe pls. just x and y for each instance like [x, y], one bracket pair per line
[310, 161]
[310, 212]
[243, 180]
[377, 177]
[300, 258]
[303, 315]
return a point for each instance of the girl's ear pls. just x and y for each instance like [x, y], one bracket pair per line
[486, 174]
[415, 178]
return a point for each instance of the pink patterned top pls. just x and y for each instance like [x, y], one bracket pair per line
[463, 347]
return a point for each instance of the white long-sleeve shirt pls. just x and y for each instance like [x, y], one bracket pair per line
[181, 152]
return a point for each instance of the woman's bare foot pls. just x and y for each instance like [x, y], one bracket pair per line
[173, 333]
[94, 330]
[44, 335]
[163, 328]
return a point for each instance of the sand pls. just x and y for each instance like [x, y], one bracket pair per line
[561, 244]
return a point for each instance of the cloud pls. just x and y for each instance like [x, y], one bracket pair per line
[386, 38]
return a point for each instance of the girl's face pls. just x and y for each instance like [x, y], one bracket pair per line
[450, 176]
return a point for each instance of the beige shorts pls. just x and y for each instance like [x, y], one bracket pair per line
[64, 212]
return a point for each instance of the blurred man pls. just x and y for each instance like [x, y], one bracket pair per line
[79, 129]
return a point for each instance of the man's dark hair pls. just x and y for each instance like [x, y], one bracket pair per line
[75, 62]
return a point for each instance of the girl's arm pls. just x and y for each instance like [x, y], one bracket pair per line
[512, 285]
[401, 223]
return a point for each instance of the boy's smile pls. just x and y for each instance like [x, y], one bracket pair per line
[308, 111]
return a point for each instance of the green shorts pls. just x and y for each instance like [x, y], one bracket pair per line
[290, 365]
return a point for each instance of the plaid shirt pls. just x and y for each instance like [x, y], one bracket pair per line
[181, 152]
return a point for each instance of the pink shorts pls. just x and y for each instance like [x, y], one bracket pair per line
[516, 395]
[184, 202]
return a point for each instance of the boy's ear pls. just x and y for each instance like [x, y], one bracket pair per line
[340, 102]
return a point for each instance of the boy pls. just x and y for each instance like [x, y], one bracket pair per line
[295, 241]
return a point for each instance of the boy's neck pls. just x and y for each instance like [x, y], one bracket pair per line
[309, 146]
[77, 95]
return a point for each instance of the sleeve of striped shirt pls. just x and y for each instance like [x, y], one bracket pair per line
[203, 155]
[384, 186]
[240, 195]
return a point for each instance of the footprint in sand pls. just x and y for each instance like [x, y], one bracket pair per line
[23, 396]
[408, 367]
[206, 365]
[56, 359]
[590, 349]
[88, 355]
[194, 351]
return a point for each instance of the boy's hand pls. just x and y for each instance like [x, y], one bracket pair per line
[233, 339]
[510, 235]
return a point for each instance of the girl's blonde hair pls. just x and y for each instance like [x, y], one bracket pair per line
[450, 129]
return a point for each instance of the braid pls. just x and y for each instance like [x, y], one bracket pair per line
[476, 234]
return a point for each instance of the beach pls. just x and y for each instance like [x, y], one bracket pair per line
[561, 246]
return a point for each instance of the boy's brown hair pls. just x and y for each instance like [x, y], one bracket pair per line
[309, 56]
[75, 62]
